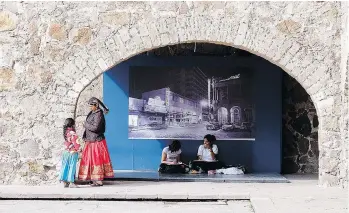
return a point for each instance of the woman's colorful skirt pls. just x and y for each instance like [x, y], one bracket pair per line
[95, 162]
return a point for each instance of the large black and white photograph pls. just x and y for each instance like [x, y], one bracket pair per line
[190, 102]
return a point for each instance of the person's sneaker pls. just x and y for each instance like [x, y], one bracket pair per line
[194, 172]
[211, 172]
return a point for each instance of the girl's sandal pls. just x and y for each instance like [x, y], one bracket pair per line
[73, 185]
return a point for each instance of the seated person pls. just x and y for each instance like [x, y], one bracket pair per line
[170, 159]
[207, 156]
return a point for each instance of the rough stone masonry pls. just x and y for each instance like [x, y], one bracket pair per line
[50, 51]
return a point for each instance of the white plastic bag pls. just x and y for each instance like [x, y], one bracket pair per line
[230, 171]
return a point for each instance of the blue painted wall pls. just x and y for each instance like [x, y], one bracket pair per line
[261, 155]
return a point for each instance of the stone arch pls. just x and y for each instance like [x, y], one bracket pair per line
[316, 95]
[282, 42]
[102, 63]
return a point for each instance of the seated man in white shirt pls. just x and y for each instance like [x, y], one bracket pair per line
[170, 159]
[207, 156]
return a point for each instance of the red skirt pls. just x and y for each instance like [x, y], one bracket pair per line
[95, 162]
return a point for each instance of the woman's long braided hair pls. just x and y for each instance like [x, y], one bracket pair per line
[68, 123]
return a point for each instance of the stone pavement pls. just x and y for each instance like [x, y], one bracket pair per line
[119, 206]
[302, 195]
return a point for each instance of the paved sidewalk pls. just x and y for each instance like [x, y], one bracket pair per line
[30, 206]
[302, 195]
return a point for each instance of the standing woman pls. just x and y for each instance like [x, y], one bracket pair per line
[95, 163]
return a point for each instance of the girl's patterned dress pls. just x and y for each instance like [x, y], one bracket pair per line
[70, 157]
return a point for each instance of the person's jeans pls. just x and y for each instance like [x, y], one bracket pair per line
[206, 165]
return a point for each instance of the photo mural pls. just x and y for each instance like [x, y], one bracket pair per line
[190, 102]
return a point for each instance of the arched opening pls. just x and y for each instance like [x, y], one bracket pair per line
[298, 143]
[235, 115]
[300, 129]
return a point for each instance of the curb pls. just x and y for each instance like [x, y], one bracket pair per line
[127, 197]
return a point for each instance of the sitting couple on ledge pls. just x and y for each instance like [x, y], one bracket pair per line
[206, 162]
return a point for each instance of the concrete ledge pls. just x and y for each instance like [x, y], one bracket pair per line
[124, 196]
[141, 196]
[234, 196]
[175, 196]
[116, 196]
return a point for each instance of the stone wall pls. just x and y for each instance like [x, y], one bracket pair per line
[300, 124]
[94, 89]
[51, 50]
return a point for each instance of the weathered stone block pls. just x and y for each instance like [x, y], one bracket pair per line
[289, 27]
[7, 79]
[81, 36]
[57, 31]
[115, 18]
[35, 45]
[8, 21]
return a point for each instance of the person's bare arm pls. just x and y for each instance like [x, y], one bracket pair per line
[213, 155]
[179, 159]
[163, 159]
[199, 153]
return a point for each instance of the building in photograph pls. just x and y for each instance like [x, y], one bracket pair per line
[180, 110]
[188, 82]
[146, 113]
[229, 102]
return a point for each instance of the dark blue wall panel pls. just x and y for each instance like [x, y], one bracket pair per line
[261, 155]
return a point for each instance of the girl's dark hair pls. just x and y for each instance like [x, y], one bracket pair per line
[175, 146]
[213, 138]
[96, 102]
[68, 123]
[210, 138]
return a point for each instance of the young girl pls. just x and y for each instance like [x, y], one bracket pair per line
[70, 154]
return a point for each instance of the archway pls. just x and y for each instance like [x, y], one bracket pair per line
[281, 41]
[237, 115]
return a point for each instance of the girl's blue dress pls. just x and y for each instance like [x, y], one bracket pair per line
[68, 169]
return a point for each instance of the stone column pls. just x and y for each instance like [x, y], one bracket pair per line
[344, 67]
[329, 143]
